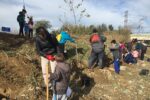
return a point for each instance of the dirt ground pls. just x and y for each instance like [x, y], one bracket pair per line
[21, 79]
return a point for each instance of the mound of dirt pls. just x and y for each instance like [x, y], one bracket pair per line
[21, 78]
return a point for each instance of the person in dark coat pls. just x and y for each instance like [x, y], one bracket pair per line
[21, 21]
[46, 45]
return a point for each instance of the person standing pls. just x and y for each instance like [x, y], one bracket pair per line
[97, 53]
[30, 23]
[114, 48]
[143, 49]
[46, 45]
[21, 21]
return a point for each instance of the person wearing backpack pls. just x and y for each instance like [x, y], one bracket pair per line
[46, 45]
[21, 21]
[62, 38]
[60, 78]
[97, 53]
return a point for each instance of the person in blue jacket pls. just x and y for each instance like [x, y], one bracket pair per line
[62, 38]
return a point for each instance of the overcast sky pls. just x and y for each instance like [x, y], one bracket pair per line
[101, 11]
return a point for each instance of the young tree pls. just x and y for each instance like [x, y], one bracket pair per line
[104, 27]
[111, 28]
[76, 9]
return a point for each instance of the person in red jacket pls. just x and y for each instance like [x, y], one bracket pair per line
[46, 45]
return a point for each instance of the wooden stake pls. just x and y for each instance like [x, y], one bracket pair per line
[47, 89]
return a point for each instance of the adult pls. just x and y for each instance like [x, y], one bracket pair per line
[131, 45]
[21, 21]
[46, 45]
[97, 53]
[141, 48]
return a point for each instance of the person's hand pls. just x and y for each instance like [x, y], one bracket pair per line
[50, 57]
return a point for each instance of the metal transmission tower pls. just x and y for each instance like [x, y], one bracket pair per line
[126, 19]
[140, 27]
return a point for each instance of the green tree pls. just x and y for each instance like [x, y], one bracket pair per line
[111, 28]
[43, 23]
[104, 27]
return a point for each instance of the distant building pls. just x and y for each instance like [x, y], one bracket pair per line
[140, 36]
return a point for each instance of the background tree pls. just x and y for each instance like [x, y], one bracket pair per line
[76, 9]
[104, 27]
[43, 23]
[111, 28]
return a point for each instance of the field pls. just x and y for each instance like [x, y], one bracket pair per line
[21, 78]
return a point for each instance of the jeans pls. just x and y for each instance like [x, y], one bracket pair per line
[21, 25]
[94, 57]
[59, 97]
[30, 33]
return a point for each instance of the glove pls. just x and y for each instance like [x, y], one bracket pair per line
[50, 57]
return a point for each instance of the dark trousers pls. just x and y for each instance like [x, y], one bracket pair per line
[30, 33]
[142, 56]
[117, 65]
[21, 26]
[94, 57]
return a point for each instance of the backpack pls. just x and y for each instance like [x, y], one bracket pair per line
[95, 38]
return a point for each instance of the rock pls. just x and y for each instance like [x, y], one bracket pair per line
[144, 72]
[143, 65]
[123, 67]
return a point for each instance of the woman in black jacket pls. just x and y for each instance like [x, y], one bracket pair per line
[46, 45]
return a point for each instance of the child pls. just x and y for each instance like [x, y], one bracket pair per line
[61, 78]
[26, 29]
[121, 48]
[30, 23]
[116, 55]
[129, 58]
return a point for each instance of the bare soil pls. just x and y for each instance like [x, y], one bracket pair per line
[21, 79]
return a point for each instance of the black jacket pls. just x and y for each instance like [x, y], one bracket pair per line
[47, 46]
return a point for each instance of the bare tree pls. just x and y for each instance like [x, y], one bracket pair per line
[76, 9]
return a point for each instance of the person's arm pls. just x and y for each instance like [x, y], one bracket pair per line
[38, 47]
[90, 38]
[114, 47]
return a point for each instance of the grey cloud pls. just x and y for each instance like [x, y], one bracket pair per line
[18, 3]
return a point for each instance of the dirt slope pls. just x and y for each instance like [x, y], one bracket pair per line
[21, 79]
